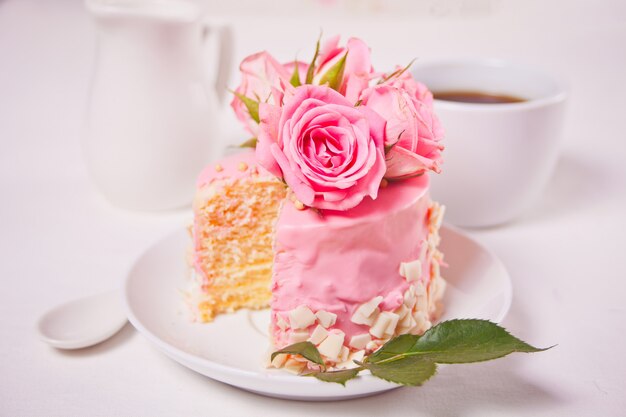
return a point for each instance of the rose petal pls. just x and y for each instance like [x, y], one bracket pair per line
[328, 50]
[302, 190]
[269, 116]
[402, 163]
[261, 73]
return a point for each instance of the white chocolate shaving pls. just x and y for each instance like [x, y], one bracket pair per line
[331, 346]
[421, 323]
[380, 325]
[412, 271]
[391, 327]
[366, 313]
[325, 318]
[368, 308]
[440, 212]
[409, 297]
[359, 355]
[343, 355]
[281, 323]
[318, 335]
[372, 345]
[421, 298]
[368, 321]
[298, 336]
[301, 317]
[402, 311]
[279, 360]
[359, 341]
[406, 323]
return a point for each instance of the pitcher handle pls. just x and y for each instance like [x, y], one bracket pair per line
[226, 42]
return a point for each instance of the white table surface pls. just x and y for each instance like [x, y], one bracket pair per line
[60, 240]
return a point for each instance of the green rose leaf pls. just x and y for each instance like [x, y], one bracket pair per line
[412, 359]
[250, 143]
[411, 370]
[339, 377]
[454, 341]
[463, 341]
[334, 75]
[396, 73]
[311, 71]
[305, 349]
[295, 77]
[396, 346]
[251, 105]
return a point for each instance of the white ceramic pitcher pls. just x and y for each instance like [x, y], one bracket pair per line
[152, 121]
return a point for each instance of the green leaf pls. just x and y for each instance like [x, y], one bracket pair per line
[412, 359]
[455, 341]
[304, 349]
[251, 105]
[311, 71]
[463, 341]
[396, 346]
[410, 370]
[339, 377]
[334, 75]
[295, 77]
[250, 143]
[397, 72]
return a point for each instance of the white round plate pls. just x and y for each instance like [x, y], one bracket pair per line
[231, 349]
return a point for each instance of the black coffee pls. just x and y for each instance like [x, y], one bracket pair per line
[476, 97]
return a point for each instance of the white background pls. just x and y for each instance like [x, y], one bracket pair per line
[567, 256]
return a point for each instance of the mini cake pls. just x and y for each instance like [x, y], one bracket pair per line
[349, 281]
[330, 221]
[346, 281]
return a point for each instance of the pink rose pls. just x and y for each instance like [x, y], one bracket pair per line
[262, 80]
[430, 127]
[358, 70]
[330, 153]
[413, 131]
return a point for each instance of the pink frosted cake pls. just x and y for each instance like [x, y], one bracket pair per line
[349, 281]
[329, 222]
[346, 281]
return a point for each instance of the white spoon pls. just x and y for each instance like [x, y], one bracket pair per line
[84, 322]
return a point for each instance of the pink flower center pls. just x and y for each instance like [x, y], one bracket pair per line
[328, 149]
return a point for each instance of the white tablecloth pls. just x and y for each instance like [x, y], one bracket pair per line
[60, 240]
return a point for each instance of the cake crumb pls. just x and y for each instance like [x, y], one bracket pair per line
[242, 166]
[219, 168]
[299, 205]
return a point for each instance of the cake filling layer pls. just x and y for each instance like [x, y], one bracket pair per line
[234, 214]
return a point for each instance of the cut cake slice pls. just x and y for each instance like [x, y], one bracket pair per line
[235, 208]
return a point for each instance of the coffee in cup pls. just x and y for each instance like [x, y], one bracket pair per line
[503, 127]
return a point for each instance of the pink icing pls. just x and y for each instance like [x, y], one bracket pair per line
[339, 260]
[230, 168]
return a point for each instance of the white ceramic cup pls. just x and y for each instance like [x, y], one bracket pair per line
[498, 157]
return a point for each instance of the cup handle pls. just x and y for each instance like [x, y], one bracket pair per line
[225, 37]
